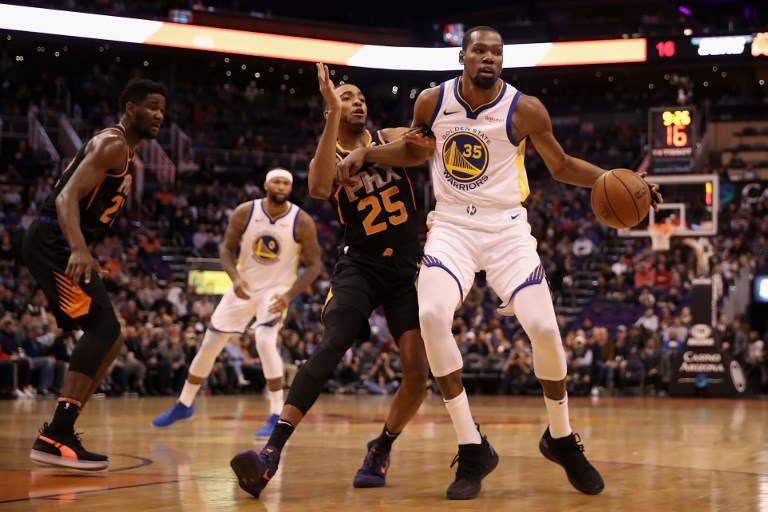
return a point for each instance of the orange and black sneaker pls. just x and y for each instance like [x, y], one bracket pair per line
[255, 470]
[65, 450]
[373, 472]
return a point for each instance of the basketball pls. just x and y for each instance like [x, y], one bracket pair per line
[621, 198]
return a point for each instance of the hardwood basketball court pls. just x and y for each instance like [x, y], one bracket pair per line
[654, 453]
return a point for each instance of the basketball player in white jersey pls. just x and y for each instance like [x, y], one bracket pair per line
[473, 129]
[260, 253]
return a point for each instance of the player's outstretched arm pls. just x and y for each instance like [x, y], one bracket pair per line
[230, 246]
[403, 152]
[322, 168]
[311, 256]
[532, 119]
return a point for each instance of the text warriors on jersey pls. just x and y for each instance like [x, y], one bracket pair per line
[465, 157]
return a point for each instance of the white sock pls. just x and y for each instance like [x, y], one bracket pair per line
[559, 422]
[275, 401]
[188, 393]
[458, 408]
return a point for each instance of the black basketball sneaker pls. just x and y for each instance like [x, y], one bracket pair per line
[569, 453]
[475, 462]
[255, 470]
[65, 450]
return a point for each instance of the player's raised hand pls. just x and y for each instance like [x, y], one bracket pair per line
[279, 303]
[656, 198]
[421, 136]
[327, 89]
[241, 288]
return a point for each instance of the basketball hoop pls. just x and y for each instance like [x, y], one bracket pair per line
[661, 234]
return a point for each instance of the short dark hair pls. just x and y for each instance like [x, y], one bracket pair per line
[325, 103]
[465, 40]
[138, 89]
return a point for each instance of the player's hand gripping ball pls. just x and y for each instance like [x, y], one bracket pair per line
[621, 198]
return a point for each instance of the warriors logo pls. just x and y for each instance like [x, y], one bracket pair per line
[266, 249]
[465, 159]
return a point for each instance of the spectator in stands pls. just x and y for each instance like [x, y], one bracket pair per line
[381, 378]
[41, 366]
[646, 298]
[8, 386]
[580, 366]
[649, 320]
[651, 357]
[517, 376]
[644, 274]
[676, 334]
[11, 347]
[622, 265]
[203, 308]
[172, 351]
[738, 348]
[582, 248]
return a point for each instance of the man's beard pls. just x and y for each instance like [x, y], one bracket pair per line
[147, 134]
[275, 199]
[482, 82]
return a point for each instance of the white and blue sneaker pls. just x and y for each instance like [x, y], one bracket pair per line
[178, 412]
[267, 429]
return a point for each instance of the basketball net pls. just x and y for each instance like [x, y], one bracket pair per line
[661, 235]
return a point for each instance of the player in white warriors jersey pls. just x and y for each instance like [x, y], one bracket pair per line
[473, 129]
[260, 252]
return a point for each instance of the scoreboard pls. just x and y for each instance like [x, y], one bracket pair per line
[671, 132]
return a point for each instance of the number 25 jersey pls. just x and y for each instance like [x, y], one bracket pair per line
[378, 211]
[101, 206]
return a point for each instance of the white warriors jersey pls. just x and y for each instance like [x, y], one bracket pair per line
[477, 160]
[269, 252]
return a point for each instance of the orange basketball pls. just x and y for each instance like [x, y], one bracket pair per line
[621, 198]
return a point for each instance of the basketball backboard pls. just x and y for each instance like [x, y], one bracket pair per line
[691, 202]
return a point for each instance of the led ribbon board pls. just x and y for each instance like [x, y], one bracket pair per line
[193, 37]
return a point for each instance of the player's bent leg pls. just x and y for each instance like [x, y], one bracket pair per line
[533, 308]
[342, 325]
[199, 369]
[272, 364]
[58, 444]
[407, 400]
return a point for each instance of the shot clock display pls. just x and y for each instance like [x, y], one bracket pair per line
[671, 132]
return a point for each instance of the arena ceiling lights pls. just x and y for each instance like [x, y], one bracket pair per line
[193, 37]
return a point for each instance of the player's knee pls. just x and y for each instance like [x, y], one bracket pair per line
[415, 369]
[542, 333]
[342, 326]
[415, 377]
[105, 325]
[432, 318]
[264, 342]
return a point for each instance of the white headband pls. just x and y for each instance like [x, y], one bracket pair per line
[279, 173]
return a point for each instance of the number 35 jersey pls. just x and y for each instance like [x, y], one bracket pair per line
[378, 211]
[477, 160]
[102, 205]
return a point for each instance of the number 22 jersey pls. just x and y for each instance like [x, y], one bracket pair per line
[101, 206]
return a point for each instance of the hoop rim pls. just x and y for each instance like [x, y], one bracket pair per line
[661, 234]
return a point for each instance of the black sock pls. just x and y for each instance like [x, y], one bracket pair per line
[64, 418]
[386, 439]
[280, 434]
